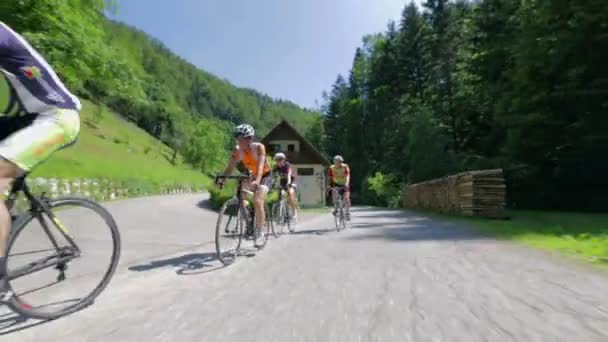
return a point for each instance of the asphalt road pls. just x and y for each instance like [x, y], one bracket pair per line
[393, 276]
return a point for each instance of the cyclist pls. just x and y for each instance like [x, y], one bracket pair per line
[44, 118]
[288, 180]
[339, 179]
[252, 155]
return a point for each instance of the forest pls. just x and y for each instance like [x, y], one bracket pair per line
[462, 85]
[135, 75]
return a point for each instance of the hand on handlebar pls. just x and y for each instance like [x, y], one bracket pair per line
[219, 182]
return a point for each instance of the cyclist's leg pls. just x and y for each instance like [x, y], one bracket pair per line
[291, 198]
[334, 197]
[260, 212]
[347, 201]
[259, 200]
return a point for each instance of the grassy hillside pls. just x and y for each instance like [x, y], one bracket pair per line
[111, 147]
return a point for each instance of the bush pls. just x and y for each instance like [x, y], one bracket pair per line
[220, 196]
[385, 190]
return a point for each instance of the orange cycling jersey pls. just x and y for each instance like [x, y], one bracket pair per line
[250, 158]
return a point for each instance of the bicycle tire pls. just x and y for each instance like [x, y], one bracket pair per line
[23, 308]
[342, 218]
[270, 226]
[233, 214]
[338, 216]
[290, 219]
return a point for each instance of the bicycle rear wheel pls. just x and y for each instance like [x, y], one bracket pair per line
[42, 253]
[229, 231]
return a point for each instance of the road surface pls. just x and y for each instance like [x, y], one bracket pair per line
[394, 276]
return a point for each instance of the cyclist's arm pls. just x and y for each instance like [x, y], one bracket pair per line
[347, 175]
[261, 162]
[234, 159]
[289, 175]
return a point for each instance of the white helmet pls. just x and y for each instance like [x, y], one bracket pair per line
[243, 131]
[338, 158]
[280, 156]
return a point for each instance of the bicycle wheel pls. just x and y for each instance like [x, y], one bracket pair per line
[337, 216]
[271, 228]
[278, 217]
[229, 231]
[342, 218]
[53, 253]
[289, 218]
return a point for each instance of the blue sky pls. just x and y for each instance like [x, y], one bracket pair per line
[289, 49]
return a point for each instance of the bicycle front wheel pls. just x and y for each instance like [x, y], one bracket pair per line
[278, 218]
[229, 231]
[271, 228]
[289, 218]
[59, 260]
[337, 209]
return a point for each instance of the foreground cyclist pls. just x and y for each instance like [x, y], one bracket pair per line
[253, 156]
[285, 172]
[339, 177]
[46, 120]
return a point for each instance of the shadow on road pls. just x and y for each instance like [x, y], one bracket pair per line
[185, 265]
[405, 226]
[314, 231]
[206, 204]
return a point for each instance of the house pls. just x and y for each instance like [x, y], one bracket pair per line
[307, 162]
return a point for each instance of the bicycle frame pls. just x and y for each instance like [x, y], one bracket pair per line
[239, 197]
[38, 206]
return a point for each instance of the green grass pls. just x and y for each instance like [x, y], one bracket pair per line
[111, 147]
[581, 235]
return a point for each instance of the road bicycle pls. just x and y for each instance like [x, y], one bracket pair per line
[283, 213]
[339, 215]
[40, 226]
[236, 221]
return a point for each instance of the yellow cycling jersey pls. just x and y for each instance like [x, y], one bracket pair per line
[337, 175]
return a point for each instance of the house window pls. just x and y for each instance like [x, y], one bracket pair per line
[306, 171]
[291, 148]
[274, 147]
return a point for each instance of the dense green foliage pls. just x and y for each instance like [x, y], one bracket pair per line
[457, 85]
[109, 62]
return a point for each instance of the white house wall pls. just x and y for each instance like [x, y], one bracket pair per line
[312, 189]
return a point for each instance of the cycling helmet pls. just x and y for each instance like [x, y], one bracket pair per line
[338, 158]
[243, 131]
[280, 156]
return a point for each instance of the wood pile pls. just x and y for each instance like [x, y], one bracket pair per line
[474, 193]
